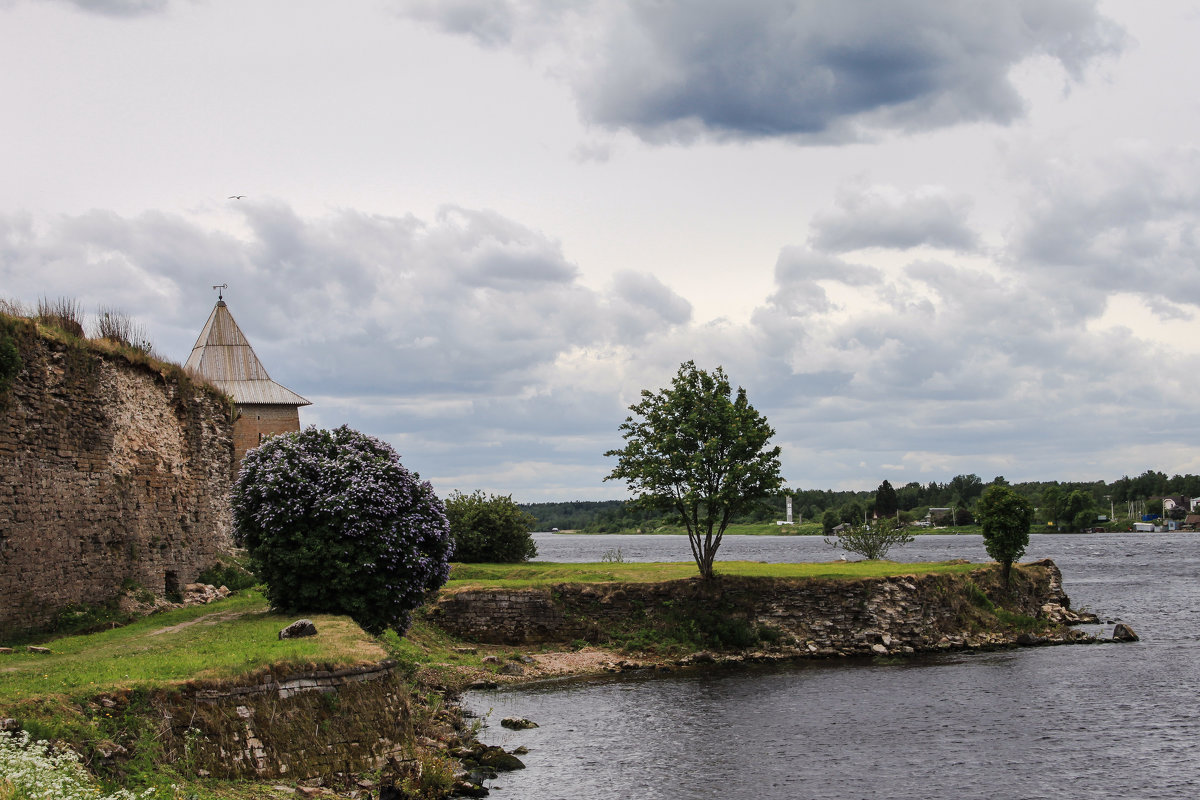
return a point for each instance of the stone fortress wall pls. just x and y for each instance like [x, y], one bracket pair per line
[111, 473]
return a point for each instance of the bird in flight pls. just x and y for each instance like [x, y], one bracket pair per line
[236, 196]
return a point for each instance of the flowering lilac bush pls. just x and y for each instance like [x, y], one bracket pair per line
[334, 523]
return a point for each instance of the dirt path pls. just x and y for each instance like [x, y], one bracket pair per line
[207, 619]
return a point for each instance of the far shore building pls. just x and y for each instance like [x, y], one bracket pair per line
[223, 355]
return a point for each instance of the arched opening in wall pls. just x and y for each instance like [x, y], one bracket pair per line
[171, 587]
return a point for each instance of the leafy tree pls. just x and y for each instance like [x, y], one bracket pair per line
[700, 453]
[1077, 506]
[852, 513]
[489, 528]
[886, 502]
[1005, 517]
[334, 523]
[909, 496]
[1052, 504]
[829, 521]
[965, 487]
[873, 541]
[963, 517]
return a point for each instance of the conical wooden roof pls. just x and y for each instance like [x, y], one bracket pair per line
[223, 355]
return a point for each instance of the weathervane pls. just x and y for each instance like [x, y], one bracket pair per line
[221, 287]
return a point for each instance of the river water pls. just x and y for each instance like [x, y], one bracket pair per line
[1087, 721]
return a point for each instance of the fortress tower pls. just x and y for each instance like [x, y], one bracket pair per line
[223, 355]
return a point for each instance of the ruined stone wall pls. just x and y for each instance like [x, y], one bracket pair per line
[110, 472]
[308, 724]
[825, 616]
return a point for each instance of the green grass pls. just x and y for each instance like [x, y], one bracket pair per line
[144, 654]
[539, 573]
[736, 529]
[771, 529]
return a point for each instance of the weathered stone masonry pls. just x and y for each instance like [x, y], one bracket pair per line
[824, 617]
[307, 724]
[109, 472]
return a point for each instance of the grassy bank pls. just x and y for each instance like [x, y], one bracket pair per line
[96, 691]
[771, 529]
[541, 573]
[736, 529]
[238, 635]
[213, 642]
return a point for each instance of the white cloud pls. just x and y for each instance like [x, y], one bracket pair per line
[881, 216]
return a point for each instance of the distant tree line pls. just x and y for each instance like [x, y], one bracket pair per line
[1069, 505]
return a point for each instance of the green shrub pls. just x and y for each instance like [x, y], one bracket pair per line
[86, 618]
[335, 523]
[489, 529]
[977, 597]
[10, 359]
[873, 541]
[231, 576]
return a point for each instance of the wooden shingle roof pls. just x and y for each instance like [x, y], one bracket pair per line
[223, 355]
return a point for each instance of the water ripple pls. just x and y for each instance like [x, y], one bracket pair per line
[1113, 721]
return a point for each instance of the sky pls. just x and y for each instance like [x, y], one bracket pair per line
[927, 238]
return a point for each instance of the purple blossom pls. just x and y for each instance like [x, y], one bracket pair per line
[335, 523]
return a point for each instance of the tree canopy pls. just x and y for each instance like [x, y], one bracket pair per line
[1005, 517]
[489, 528]
[700, 452]
[886, 502]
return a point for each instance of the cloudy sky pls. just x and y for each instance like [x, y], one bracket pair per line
[928, 238]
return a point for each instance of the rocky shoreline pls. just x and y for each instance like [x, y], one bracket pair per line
[530, 664]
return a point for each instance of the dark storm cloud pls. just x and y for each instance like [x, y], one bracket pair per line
[819, 72]
[866, 218]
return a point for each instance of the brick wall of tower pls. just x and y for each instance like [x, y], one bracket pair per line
[256, 422]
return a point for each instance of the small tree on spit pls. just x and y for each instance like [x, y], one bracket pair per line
[699, 452]
[334, 523]
[1005, 517]
[872, 541]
